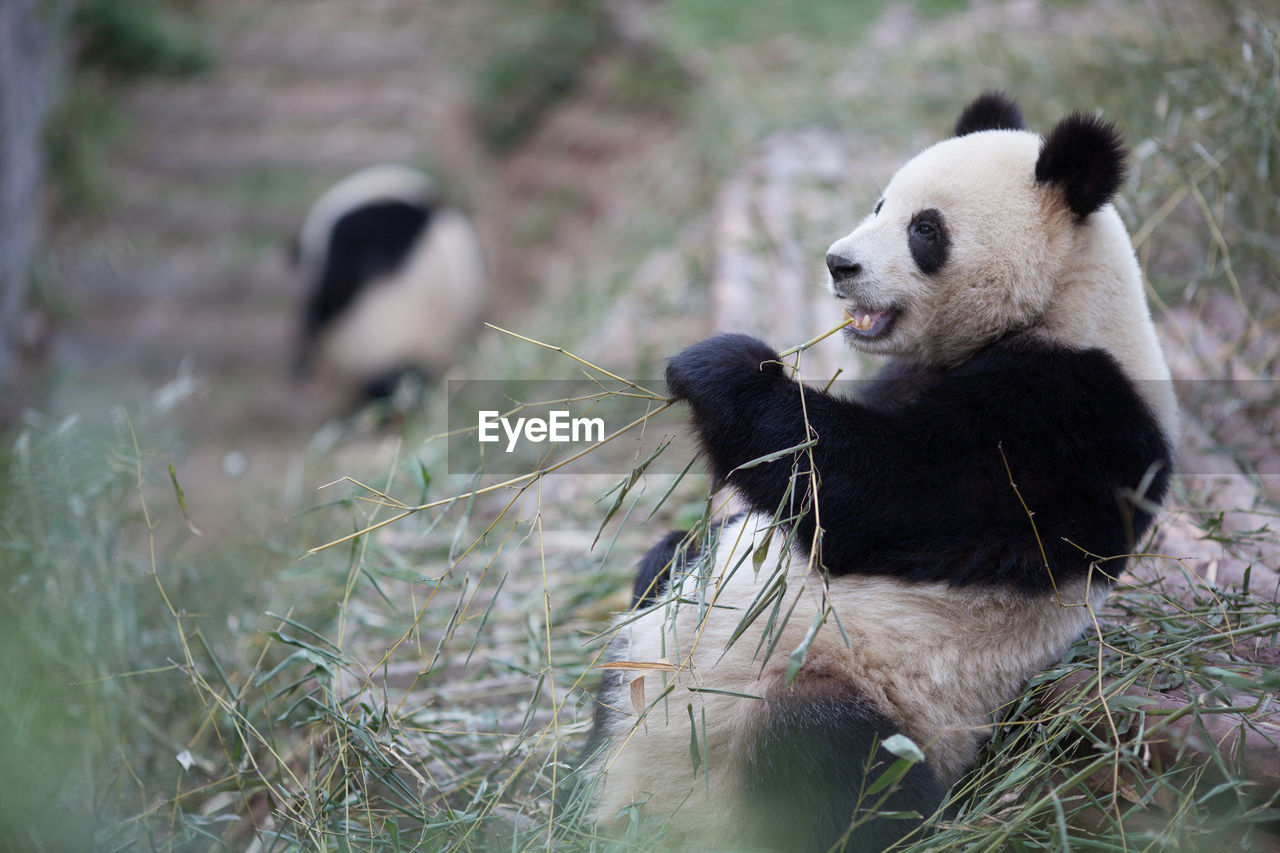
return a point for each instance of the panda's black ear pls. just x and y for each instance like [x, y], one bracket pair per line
[1084, 156]
[990, 111]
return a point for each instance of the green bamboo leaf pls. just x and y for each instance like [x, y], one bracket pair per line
[182, 500]
[761, 552]
[777, 454]
[800, 652]
[892, 776]
[694, 752]
[903, 747]
[625, 486]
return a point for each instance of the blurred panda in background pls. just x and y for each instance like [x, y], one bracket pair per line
[394, 285]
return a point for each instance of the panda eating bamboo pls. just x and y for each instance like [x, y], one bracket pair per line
[910, 556]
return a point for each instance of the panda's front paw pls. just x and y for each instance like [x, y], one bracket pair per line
[719, 365]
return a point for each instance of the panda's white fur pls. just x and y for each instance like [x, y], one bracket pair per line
[414, 316]
[935, 657]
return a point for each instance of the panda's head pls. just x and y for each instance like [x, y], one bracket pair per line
[979, 235]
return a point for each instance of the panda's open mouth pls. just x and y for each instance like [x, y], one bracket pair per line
[869, 322]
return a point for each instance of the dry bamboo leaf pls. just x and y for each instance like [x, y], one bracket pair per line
[637, 693]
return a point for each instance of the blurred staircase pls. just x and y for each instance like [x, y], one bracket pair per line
[187, 260]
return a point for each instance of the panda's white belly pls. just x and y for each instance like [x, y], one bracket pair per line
[935, 660]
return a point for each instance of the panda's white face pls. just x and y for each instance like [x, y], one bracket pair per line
[963, 247]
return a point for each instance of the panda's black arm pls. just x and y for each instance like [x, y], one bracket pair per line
[926, 490]
[744, 407]
[876, 476]
[748, 414]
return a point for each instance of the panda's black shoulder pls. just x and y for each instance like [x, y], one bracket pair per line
[1044, 371]
[1021, 372]
[1065, 398]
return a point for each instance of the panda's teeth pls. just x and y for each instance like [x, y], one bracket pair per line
[861, 319]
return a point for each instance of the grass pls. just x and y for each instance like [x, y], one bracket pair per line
[1072, 765]
[77, 134]
[112, 41]
[426, 685]
[439, 709]
[136, 37]
[723, 24]
[538, 61]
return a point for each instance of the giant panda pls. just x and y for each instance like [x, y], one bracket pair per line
[910, 555]
[394, 282]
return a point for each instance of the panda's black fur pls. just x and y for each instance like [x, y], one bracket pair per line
[675, 549]
[1024, 467]
[1068, 424]
[365, 244]
[817, 750]
[992, 111]
[1085, 156]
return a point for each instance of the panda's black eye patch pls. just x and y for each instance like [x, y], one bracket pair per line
[928, 240]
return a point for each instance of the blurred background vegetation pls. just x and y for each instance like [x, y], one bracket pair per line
[182, 671]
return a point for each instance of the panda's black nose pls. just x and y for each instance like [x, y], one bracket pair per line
[842, 269]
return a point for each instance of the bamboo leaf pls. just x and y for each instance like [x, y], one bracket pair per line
[800, 652]
[182, 500]
[694, 752]
[637, 693]
[777, 454]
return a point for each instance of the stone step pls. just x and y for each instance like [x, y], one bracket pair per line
[187, 219]
[326, 52]
[209, 152]
[239, 15]
[203, 277]
[182, 212]
[153, 338]
[245, 99]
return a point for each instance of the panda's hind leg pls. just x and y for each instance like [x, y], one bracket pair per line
[818, 752]
[654, 572]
